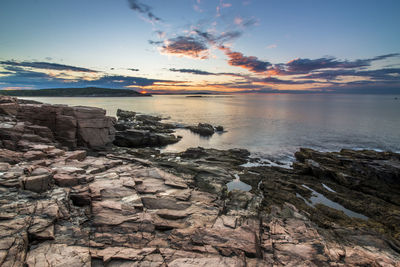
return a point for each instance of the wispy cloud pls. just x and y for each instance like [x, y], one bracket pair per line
[143, 9]
[193, 71]
[305, 65]
[202, 72]
[50, 75]
[45, 66]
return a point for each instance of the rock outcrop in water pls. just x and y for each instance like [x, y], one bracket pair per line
[134, 130]
[205, 129]
[137, 207]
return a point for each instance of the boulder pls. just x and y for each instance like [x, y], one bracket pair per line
[203, 129]
[38, 184]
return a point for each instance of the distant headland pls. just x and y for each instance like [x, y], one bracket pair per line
[75, 92]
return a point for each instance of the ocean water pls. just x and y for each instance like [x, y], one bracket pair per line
[271, 126]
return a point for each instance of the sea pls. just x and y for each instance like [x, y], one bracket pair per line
[271, 126]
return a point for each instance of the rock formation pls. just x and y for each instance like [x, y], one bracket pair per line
[138, 207]
[134, 130]
[43, 123]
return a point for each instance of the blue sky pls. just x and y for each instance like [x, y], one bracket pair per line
[201, 45]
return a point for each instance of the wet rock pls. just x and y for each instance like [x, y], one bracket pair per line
[125, 115]
[203, 129]
[141, 138]
[219, 128]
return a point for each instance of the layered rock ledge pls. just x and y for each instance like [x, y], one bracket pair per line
[137, 207]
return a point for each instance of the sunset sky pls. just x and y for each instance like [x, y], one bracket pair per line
[345, 46]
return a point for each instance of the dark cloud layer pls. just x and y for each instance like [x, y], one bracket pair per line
[24, 76]
[193, 71]
[45, 66]
[273, 80]
[186, 46]
[379, 74]
[250, 63]
[305, 65]
[143, 9]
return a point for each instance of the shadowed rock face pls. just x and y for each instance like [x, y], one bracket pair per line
[142, 130]
[137, 207]
[43, 123]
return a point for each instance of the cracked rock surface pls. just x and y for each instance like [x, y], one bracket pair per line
[138, 207]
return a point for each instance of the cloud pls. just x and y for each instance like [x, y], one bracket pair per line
[202, 72]
[238, 20]
[218, 39]
[143, 9]
[305, 65]
[251, 63]
[271, 46]
[17, 76]
[193, 71]
[378, 74]
[45, 66]
[155, 42]
[186, 46]
[273, 80]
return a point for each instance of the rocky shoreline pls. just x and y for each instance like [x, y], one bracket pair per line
[68, 196]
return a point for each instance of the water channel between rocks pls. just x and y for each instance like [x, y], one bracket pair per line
[317, 198]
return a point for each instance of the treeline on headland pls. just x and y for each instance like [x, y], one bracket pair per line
[71, 92]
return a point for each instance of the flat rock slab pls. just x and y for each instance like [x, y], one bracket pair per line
[164, 203]
[51, 255]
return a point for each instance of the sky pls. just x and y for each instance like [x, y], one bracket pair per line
[178, 46]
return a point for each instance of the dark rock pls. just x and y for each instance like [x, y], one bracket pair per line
[219, 128]
[203, 129]
[38, 184]
[140, 138]
[125, 115]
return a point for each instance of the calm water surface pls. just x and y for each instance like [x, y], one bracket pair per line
[270, 126]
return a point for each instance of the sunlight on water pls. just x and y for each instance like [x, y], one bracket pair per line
[271, 126]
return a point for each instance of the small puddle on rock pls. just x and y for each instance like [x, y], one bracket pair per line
[317, 198]
[238, 185]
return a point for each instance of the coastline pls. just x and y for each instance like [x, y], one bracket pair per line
[70, 196]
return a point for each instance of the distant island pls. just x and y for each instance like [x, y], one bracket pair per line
[75, 92]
